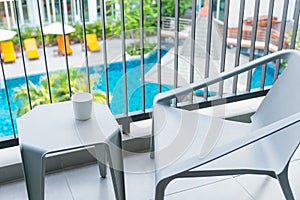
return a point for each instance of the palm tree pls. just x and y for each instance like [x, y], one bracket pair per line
[59, 89]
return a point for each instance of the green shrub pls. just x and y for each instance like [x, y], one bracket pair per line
[134, 48]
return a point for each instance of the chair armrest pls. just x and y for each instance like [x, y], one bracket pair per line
[165, 97]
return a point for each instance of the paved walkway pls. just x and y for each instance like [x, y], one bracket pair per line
[58, 62]
[184, 52]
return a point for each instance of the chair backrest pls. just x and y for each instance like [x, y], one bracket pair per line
[30, 44]
[7, 47]
[283, 99]
[91, 38]
[60, 42]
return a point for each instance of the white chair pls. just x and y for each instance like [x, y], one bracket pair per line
[189, 144]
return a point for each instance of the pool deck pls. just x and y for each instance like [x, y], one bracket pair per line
[58, 62]
[201, 70]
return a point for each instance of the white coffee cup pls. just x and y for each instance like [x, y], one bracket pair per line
[82, 105]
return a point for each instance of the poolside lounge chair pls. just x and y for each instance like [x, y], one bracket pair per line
[61, 48]
[188, 144]
[8, 51]
[92, 42]
[31, 48]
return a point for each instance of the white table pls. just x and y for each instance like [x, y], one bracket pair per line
[52, 128]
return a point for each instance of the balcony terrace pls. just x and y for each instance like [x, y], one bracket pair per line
[75, 175]
[83, 182]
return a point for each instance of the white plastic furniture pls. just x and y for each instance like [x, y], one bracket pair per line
[52, 128]
[188, 144]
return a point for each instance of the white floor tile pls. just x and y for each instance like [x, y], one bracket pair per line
[84, 183]
[226, 189]
[13, 191]
[263, 187]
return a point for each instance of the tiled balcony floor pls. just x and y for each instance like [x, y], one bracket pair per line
[84, 183]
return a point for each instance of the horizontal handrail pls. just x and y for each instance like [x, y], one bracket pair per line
[165, 97]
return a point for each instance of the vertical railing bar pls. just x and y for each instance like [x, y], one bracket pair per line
[48, 11]
[238, 45]
[124, 55]
[159, 45]
[295, 26]
[224, 44]
[7, 14]
[22, 53]
[253, 41]
[208, 45]
[142, 53]
[65, 44]
[104, 51]
[85, 47]
[21, 14]
[12, 12]
[8, 101]
[193, 37]
[267, 42]
[44, 51]
[176, 43]
[281, 35]
[53, 11]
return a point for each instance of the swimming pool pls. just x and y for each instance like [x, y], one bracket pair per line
[269, 79]
[116, 86]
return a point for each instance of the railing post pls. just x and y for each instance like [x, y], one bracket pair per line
[253, 40]
[124, 56]
[85, 48]
[65, 44]
[102, 6]
[7, 97]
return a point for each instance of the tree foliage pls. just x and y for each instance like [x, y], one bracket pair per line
[132, 17]
[59, 89]
[168, 7]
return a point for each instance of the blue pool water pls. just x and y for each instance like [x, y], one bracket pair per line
[270, 72]
[116, 86]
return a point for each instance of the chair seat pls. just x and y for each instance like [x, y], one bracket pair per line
[9, 57]
[94, 47]
[31, 48]
[32, 54]
[205, 137]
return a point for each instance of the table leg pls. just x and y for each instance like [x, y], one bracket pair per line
[115, 159]
[101, 154]
[34, 171]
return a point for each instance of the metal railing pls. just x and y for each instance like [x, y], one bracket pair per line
[176, 25]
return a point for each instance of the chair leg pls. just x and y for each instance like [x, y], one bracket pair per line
[115, 159]
[160, 189]
[152, 141]
[34, 171]
[284, 184]
[101, 154]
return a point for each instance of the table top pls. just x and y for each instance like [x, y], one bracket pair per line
[53, 127]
